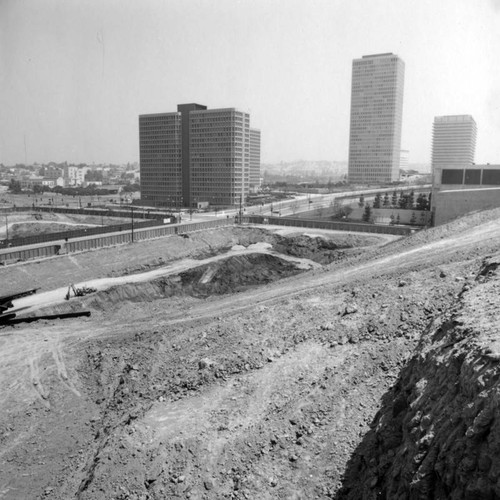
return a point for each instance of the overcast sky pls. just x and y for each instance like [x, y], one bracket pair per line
[75, 74]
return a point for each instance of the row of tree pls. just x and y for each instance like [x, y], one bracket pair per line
[15, 188]
[400, 199]
[91, 189]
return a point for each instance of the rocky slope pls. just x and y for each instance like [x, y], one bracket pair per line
[437, 434]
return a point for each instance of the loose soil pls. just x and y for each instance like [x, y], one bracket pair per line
[22, 224]
[257, 388]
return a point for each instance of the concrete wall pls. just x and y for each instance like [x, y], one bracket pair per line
[330, 225]
[449, 205]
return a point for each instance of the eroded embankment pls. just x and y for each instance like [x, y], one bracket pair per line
[258, 257]
[235, 273]
[437, 434]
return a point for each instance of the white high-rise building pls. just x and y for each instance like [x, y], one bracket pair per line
[453, 141]
[376, 119]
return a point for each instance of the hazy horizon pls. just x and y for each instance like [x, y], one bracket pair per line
[76, 75]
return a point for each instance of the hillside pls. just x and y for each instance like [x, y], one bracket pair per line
[299, 381]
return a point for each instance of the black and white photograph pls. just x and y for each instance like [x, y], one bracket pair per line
[249, 249]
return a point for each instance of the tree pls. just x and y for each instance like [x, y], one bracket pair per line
[386, 201]
[14, 186]
[367, 214]
[131, 188]
[402, 200]
[422, 203]
[411, 199]
[377, 201]
[96, 176]
[392, 220]
[419, 202]
[413, 219]
[341, 211]
[398, 220]
[394, 200]
[361, 202]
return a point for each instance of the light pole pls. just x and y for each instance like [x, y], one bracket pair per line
[6, 228]
[132, 210]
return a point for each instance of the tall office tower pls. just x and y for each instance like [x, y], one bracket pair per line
[453, 141]
[376, 119]
[195, 156]
[254, 177]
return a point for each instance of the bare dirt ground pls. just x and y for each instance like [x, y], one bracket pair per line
[21, 224]
[171, 390]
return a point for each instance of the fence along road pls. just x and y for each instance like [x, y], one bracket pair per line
[79, 243]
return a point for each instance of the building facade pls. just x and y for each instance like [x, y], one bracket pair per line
[196, 156]
[453, 142]
[254, 177]
[161, 159]
[376, 119]
[458, 191]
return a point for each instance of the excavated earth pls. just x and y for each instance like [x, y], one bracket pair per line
[371, 372]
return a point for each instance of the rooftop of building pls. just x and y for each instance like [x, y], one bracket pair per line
[454, 118]
[384, 54]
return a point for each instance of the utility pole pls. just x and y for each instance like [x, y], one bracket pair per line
[6, 228]
[132, 210]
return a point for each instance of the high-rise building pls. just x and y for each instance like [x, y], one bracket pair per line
[197, 156]
[376, 119]
[254, 177]
[453, 141]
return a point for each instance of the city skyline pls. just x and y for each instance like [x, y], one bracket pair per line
[76, 75]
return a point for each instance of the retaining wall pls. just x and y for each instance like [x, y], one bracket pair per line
[331, 225]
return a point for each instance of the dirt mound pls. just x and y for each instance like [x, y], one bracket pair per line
[35, 228]
[235, 274]
[230, 275]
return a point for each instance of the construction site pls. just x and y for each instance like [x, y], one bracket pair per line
[255, 361]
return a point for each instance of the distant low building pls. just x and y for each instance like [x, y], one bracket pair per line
[404, 160]
[458, 191]
[74, 175]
